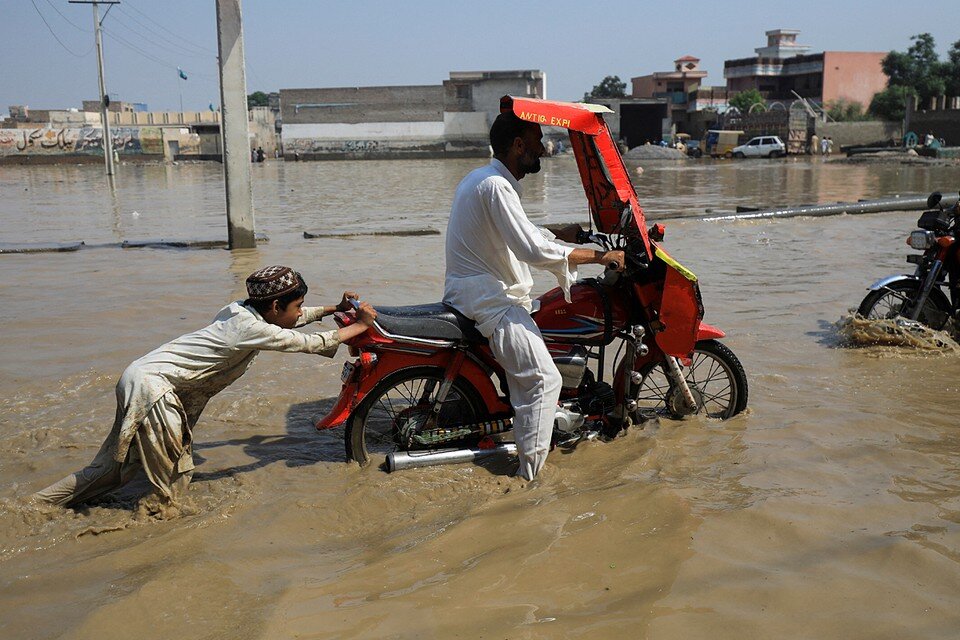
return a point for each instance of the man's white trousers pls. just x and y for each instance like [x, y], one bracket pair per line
[534, 383]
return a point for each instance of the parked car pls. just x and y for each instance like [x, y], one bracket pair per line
[761, 147]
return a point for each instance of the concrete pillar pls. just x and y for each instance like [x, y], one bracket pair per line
[233, 102]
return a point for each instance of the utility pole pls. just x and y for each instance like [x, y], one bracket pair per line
[234, 126]
[104, 98]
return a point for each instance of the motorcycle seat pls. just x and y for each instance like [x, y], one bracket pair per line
[437, 321]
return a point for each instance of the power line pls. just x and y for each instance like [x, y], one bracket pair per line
[49, 28]
[69, 21]
[146, 38]
[179, 37]
[202, 52]
[124, 42]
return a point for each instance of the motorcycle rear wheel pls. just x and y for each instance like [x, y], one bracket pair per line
[405, 395]
[715, 376]
[890, 302]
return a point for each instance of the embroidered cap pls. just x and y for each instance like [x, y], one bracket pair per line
[272, 282]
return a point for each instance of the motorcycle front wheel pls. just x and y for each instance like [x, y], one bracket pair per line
[715, 377]
[895, 299]
[401, 402]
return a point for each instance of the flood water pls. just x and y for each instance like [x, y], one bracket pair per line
[831, 508]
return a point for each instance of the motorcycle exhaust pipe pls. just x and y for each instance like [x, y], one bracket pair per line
[400, 460]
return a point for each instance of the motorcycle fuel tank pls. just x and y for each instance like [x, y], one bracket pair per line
[590, 318]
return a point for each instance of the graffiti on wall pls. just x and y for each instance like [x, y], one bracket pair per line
[313, 145]
[76, 140]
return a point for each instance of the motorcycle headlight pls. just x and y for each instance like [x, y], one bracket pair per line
[921, 239]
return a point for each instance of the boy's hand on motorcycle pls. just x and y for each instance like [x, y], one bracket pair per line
[345, 301]
[366, 314]
[614, 260]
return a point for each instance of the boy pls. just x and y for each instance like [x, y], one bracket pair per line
[161, 395]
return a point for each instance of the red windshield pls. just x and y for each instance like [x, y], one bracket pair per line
[606, 181]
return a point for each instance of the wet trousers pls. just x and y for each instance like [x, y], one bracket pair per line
[162, 448]
[534, 383]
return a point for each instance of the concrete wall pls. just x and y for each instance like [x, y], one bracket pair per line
[71, 142]
[352, 105]
[852, 76]
[452, 119]
[859, 133]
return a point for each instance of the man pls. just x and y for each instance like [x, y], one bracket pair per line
[161, 395]
[490, 243]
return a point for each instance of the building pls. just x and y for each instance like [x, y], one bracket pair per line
[784, 69]
[685, 101]
[445, 120]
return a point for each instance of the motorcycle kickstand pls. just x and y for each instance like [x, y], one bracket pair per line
[677, 377]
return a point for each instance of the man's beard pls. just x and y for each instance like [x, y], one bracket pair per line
[530, 165]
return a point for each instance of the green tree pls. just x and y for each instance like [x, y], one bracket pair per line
[746, 99]
[609, 87]
[918, 68]
[258, 99]
[891, 103]
[846, 111]
[952, 70]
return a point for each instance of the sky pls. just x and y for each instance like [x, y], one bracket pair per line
[48, 61]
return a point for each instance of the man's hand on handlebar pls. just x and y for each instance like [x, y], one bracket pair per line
[615, 260]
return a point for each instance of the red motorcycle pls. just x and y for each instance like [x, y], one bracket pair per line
[920, 297]
[424, 378]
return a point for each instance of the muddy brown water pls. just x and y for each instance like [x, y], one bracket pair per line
[831, 508]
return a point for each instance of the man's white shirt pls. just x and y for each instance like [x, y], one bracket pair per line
[490, 243]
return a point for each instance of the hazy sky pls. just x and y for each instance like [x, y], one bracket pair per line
[319, 43]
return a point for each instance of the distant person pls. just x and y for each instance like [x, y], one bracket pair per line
[161, 395]
[829, 145]
[253, 154]
[548, 148]
[559, 146]
[824, 145]
[928, 139]
[814, 148]
[260, 154]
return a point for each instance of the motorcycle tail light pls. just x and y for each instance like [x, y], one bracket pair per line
[921, 239]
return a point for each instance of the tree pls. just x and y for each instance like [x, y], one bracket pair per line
[746, 99]
[609, 87]
[952, 70]
[846, 111]
[919, 68]
[258, 99]
[891, 103]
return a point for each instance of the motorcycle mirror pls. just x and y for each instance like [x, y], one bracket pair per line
[934, 199]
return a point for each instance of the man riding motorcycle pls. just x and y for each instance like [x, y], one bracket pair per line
[490, 243]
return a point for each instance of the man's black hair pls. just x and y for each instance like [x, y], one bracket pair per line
[506, 128]
[262, 306]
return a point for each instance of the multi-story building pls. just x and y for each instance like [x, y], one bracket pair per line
[784, 69]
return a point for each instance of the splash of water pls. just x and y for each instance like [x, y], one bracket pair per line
[857, 331]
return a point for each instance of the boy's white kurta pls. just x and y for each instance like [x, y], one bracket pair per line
[490, 243]
[161, 395]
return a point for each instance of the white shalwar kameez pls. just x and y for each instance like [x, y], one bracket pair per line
[490, 243]
[161, 395]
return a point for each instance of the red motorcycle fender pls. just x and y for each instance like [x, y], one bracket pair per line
[708, 332]
[361, 382]
[341, 410]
